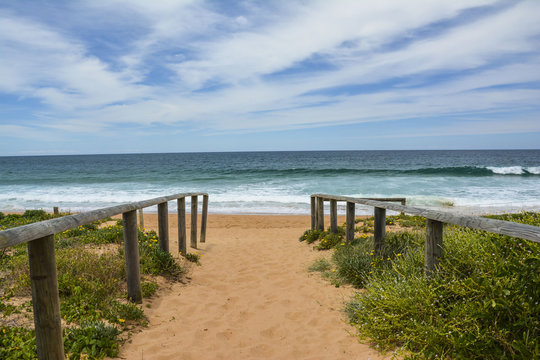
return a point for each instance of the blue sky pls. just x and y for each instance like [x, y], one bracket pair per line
[122, 76]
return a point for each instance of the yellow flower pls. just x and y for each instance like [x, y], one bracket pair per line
[121, 320]
[398, 254]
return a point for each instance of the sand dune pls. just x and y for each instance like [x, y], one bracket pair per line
[252, 298]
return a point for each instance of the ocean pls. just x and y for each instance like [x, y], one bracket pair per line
[469, 181]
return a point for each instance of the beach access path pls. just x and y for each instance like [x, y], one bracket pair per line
[252, 298]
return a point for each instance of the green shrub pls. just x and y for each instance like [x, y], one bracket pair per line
[481, 304]
[120, 312]
[310, 236]
[17, 343]
[358, 261]
[193, 257]
[149, 288]
[155, 261]
[320, 265]
[95, 339]
[330, 240]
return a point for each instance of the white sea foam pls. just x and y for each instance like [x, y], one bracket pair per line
[507, 170]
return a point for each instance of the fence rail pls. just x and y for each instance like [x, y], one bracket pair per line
[42, 262]
[434, 224]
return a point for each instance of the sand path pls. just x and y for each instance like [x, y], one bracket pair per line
[252, 298]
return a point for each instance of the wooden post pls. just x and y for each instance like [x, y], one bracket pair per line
[349, 236]
[379, 231]
[194, 222]
[333, 216]
[141, 218]
[55, 210]
[182, 248]
[163, 226]
[313, 213]
[203, 218]
[131, 253]
[320, 213]
[45, 298]
[434, 240]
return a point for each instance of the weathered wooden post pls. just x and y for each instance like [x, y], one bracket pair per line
[313, 213]
[194, 221]
[320, 213]
[55, 210]
[349, 235]
[333, 216]
[131, 253]
[434, 241]
[182, 248]
[204, 218]
[45, 300]
[379, 231]
[141, 218]
[163, 226]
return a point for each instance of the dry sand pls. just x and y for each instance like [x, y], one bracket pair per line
[252, 298]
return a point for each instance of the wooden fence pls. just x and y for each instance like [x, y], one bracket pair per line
[434, 223]
[40, 239]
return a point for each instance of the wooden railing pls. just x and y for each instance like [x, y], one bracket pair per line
[434, 223]
[41, 255]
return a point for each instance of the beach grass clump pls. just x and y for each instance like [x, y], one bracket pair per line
[310, 236]
[320, 265]
[29, 216]
[91, 340]
[91, 284]
[329, 240]
[409, 221]
[92, 233]
[193, 257]
[149, 288]
[155, 261]
[358, 261]
[482, 303]
[17, 343]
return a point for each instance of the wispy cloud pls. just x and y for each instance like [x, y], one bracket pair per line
[253, 67]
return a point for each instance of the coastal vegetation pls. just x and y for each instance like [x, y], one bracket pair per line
[482, 303]
[96, 315]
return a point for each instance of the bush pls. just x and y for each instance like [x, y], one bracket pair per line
[155, 261]
[95, 339]
[481, 304]
[17, 343]
[310, 236]
[357, 262]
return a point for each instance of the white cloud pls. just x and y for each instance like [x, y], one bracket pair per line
[38, 62]
[241, 52]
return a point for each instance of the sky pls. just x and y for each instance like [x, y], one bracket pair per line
[125, 76]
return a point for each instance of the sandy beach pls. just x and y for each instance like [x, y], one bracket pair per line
[252, 298]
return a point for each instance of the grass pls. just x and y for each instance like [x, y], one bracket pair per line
[92, 288]
[483, 302]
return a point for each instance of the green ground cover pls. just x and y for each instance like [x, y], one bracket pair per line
[91, 282]
[483, 302]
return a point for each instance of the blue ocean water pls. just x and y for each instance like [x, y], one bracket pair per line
[276, 182]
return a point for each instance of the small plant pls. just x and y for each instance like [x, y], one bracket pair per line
[320, 265]
[155, 261]
[93, 339]
[149, 288]
[310, 236]
[193, 257]
[17, 343]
